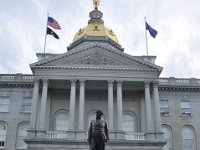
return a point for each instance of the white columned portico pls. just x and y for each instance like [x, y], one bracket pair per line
[148, 107]
[34, 104]
[72, 104]
[82, 104]
[157, 106]
[110, 104]
[119, 105]
[43, 104]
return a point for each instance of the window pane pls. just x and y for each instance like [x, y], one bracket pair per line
[26, 105]
[188, 138]
[164, 106]
[62, 122]
[4, 104]
[22, 133]
[128, 123]
[3, 130]
[185, 106]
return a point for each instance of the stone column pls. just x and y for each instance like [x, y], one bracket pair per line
[157, 106]
[142, 115]
[43, 104]
[148, 107]
[34, 104]
[72, 104]
[110, 104]
[119, 105]
[82, 105]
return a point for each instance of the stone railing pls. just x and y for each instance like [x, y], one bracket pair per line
[56, 134]
[134, 136]
[16, 77]
[78, 135]
[179, 81]
[83, 135]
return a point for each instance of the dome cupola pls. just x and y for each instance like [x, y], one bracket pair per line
[95, 27]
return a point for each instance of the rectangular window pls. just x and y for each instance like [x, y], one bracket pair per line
[185, 107]
[2, 144]
[4, 104]
[26, 104]
[164, 107]
[2, 134]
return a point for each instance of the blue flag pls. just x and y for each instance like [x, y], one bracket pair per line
[152, 31]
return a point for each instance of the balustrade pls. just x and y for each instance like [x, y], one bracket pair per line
[179, 81]
[67, 135]
[134, 136]
[11, 77]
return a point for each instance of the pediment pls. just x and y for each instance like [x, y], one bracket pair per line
[98, 56]
[95, 59]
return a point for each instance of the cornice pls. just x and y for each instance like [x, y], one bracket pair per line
[93, 68]
[178, 88]
[16, 85]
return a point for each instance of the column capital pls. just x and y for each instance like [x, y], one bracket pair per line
[155, 83]
[36, 80]
[82, 82]
[119, 82]
[147, 81]
[110, 82]
[73, 80]
[45, 80]
[147, 84]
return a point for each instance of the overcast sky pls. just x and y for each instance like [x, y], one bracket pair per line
[177, 45]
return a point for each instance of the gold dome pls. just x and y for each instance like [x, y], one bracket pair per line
[96, 28]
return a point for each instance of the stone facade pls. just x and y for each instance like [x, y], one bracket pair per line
[17, 87]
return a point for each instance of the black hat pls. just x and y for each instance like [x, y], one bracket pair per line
[99, 112]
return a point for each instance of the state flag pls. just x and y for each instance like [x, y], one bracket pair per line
[151, 30]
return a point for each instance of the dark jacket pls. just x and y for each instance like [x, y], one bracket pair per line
[98, 126]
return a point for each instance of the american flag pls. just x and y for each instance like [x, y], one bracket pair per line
[53, 23]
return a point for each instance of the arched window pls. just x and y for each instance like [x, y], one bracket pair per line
[167, 136]
[21, 134]
[188, 135]
[129, 126]
[128, 123]
[62, 122]
[3, 129]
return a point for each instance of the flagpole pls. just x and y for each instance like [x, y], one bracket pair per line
[146, 36]
[46, 34]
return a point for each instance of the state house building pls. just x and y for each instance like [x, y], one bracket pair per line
[51, 108]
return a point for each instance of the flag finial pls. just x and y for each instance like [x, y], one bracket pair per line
[96, 4]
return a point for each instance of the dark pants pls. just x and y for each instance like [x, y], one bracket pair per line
[98, 142]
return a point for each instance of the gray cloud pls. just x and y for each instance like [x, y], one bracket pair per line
[176, 46]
